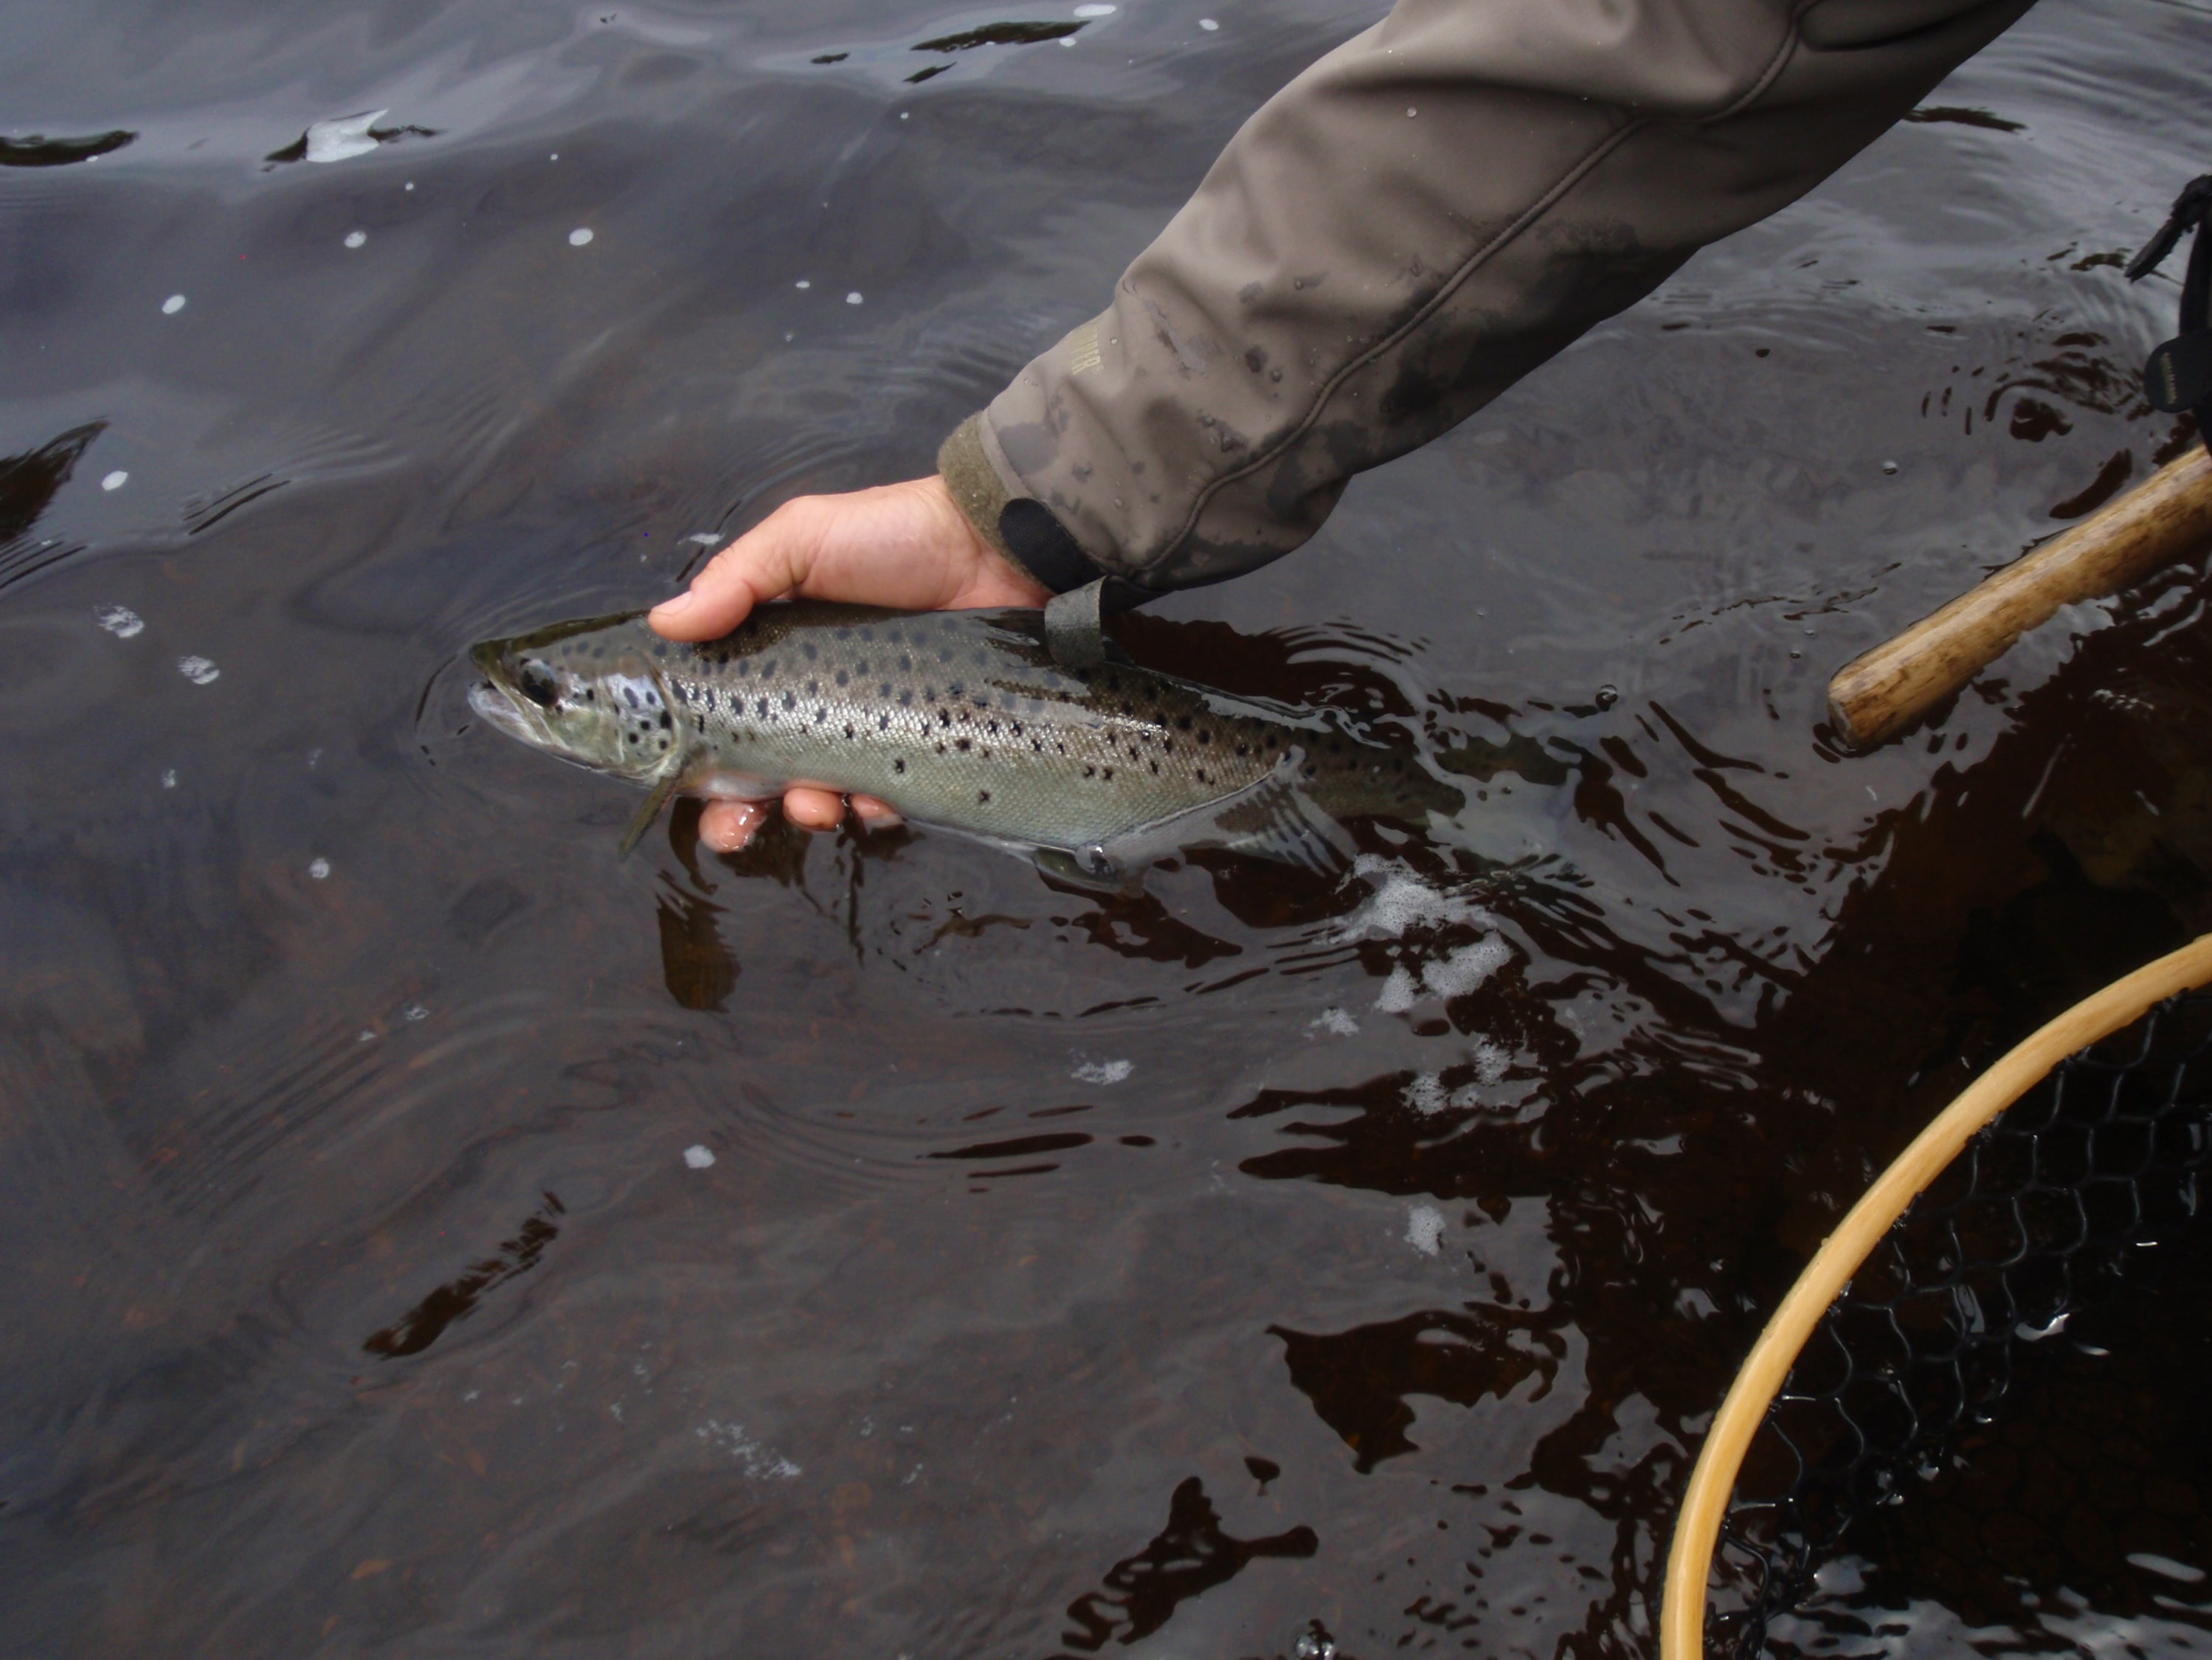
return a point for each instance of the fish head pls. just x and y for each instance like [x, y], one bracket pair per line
[585, 691]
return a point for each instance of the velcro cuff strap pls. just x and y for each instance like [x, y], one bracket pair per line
[2178, 374]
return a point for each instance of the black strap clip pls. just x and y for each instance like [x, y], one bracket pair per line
[2178, 375]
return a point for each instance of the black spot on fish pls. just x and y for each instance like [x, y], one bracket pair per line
[1204, 736]
[841, 634]
[954, 689]
[848, 729]
[944, 717]
[906, 697]
[664, 720]
[1202, 778]
[814, 689]
[629, 696]
[940, 749]
[590, 695]
[1183, 722]
[807, 645]
[761, 708]
[1156, 769]
[906, 663]
[791, 700]
[883, 723]
[867, 633]
[1091, 772]
[1244, 749]
[1110, 774]
[981, 797]
[960, 744]
[898, 764]
[664, 743]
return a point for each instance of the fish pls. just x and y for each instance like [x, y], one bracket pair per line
[961, 721]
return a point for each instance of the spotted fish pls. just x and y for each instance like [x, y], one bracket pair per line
[959, 719]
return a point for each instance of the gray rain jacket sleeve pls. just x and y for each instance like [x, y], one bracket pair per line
[1415, 222]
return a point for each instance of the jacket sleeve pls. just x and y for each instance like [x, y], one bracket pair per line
[1415, 222]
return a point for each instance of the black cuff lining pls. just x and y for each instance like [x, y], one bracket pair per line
[1034, 536]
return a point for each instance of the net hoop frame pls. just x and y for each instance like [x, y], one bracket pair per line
[1766, 1368]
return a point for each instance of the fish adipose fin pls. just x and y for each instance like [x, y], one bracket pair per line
[655, 799]
[1270, 819]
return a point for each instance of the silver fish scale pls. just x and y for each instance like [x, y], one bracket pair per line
[959, 719]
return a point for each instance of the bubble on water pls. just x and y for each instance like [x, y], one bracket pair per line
[116, 480]
[365, 1037]
[198, 670]
[1607, 696]
[854, 298]
[802, 283]
[1400, 993]
[353, 239]
[1097, 9]
[1411, 112]
[1104, 1072]
[705, 538]
[319, 869]
[120, 621]
[699, 1158]
[1314, 1643]
[1425, 1229]
[173, 305]
[580, 237]
[1468, 967]
[416, 1011]
[1208, 24]
[1889, 467]
[1337, 1021]
[1426, 1094]
[169, 779]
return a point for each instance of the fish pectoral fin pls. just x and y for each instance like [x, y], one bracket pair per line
[655, 799]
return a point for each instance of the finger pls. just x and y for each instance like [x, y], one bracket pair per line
[817, 809]
[874, 814]
[765, 563]
[729, 826]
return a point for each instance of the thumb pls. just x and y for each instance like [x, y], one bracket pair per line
[765, 563]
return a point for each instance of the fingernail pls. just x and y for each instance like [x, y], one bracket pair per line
[675, 607]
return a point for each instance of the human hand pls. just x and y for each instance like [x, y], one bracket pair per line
[905, 545]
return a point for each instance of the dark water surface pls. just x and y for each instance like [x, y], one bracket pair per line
[1152, 1276]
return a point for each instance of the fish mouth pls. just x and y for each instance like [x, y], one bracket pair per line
[496, 704]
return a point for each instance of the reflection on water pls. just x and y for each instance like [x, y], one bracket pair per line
[425, 1230]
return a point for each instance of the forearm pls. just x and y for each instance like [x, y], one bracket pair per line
[1415, 222]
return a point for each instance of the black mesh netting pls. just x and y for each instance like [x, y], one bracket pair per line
[2037, 1218]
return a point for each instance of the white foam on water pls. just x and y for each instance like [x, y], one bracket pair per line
[1097, 9]
[759, 1461]
[354, 238]
[1399, 992]
[1425, 1094]
[705, 538]
[854, 298]
[173, 305]
[116, 480]
[341, 139]
[1335, 1020]
[1491, 1061]
[1468, 967]
[1403, 901]
[1208, 24]
[580, 237]
[802, 283]
[416, 1011]
[198, 670]
[1104, 1072]
[1425, 1229]
[120, 621]
[169, 779]
[699, 1158]
[319, 869]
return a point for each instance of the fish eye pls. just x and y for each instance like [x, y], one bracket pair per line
[1095, 860]
[538, 684]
